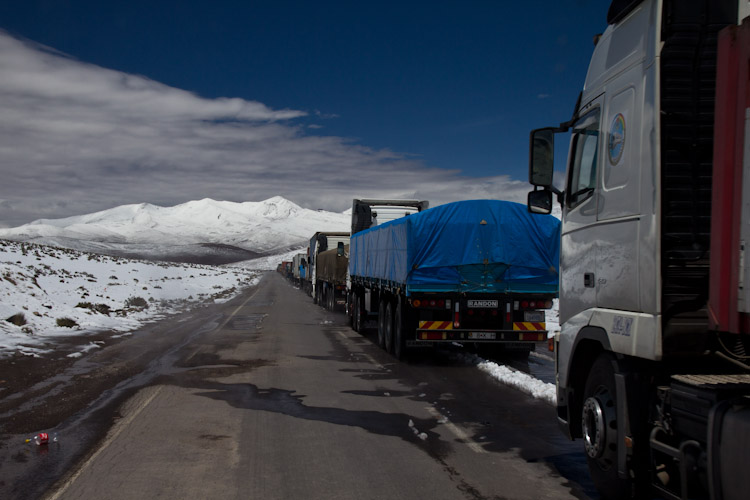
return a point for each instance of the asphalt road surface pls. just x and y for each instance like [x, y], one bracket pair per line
[269, 396]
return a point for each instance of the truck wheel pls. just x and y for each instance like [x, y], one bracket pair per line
[399, 332]
[381, 323]
[349, 309]
[599, 424]
[388, 330]
[356, 322]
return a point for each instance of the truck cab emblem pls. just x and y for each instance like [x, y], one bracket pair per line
[616, 140]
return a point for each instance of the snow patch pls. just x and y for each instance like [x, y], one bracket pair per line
[44, 288]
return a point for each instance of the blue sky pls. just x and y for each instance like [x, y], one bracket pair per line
[444, 90]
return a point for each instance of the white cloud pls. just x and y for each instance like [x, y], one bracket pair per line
[77, 138]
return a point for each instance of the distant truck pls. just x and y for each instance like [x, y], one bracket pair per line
[331, 270]
[321, 242]
[299, 270]
[481, 272]
[330, 251]
[285, 269]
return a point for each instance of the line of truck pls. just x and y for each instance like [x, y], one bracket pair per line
[653, 356]
[480, 272]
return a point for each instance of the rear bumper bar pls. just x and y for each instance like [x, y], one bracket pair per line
[481, 335]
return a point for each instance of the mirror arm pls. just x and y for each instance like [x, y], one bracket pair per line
[560, 195]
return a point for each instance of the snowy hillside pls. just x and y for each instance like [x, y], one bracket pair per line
[48, 292]
[205, 231]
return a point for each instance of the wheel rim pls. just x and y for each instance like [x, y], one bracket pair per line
[599, 430]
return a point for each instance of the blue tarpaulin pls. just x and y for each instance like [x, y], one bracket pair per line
[466, 246]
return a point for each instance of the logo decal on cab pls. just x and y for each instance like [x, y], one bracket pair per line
[616, 140]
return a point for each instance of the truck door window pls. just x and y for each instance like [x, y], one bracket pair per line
[584, 159]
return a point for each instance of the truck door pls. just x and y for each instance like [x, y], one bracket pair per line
[619, 200]
[579, 239]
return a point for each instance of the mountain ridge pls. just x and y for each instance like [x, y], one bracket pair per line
[198, 231]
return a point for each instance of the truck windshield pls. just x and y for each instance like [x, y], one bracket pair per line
[585, 153]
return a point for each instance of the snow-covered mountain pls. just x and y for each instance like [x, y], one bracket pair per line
[204, 231]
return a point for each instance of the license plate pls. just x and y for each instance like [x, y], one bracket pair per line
[481, 335]
[482, 303]
[534, 316]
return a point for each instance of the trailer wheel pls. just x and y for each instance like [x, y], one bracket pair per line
[381, 322]
[388, 327]
[356, 311]
[599, 424]
[349, 309]
[400, 327]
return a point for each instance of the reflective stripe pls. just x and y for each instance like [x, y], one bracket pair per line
[528, 326]
[537, 337]
[435, 325]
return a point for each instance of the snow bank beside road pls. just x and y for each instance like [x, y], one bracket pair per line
[43, 288]
[522, 381]
[514, 378]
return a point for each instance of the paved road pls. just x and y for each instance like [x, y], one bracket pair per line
[272, 397]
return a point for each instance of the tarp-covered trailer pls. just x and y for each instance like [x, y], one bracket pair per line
[480, 271]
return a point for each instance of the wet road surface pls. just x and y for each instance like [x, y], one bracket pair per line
[270, 396]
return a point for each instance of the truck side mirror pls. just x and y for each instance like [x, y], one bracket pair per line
[361, 216]
[340, 249]
[540, 201]
[541, 157]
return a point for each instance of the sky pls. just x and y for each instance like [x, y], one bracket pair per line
[111, 103]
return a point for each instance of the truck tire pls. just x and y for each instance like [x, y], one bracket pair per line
[381, 322]
[599, 425]
[349, 309]
[389, 327]
[356, 313]
[400, 326]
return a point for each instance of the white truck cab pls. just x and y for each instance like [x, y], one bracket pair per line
[635, 259]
